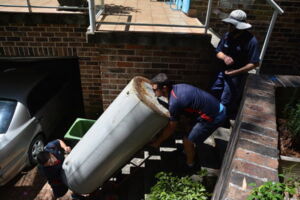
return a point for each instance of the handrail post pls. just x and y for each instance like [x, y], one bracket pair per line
[29, 6]
[92, 16]
[208, 13]
[267, 39]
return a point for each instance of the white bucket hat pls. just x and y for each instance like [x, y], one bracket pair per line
[238, 19]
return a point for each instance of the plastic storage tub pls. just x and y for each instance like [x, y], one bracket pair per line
[77, 130]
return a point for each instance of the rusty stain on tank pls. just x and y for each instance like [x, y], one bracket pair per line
[142, 93]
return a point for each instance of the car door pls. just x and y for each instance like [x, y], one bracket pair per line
[15, 142]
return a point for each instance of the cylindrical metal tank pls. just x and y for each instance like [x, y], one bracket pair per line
[131, 120]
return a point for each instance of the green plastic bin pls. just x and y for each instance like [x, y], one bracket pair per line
[78, 129]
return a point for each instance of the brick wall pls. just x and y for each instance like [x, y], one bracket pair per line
[108, 60]
[54, 40]
[190, 60]
[252, 154]
[282, 54]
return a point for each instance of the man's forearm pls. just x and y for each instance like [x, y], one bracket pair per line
[221, 55]
[244, 69]
[167, 132]
[64, 146]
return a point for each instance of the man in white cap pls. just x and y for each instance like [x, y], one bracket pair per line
[239, 52]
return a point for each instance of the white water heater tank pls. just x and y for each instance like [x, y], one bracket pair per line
[129, 123]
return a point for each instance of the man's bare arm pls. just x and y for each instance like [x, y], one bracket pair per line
[167, 132]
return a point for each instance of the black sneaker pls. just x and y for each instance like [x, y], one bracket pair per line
[226, 124]
[190, 170]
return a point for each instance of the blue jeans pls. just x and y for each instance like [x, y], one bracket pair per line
[229, 90]
[203, 129]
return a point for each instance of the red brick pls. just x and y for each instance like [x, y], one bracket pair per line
[143, 52]
[237, 193]
[256, 158]
[8, 44]
[134, 59]
[131, 46]
[254, 170]
[265, 93]
[169, 60]
[22, 43]
[61, 34]
[52, 29]
[27, 39]
[260, 120]
[151, 59]
[261, 139]
[66, 30]
[161, 53]
[125, 64]
[125, 52]
[257, 113]
[75, 35]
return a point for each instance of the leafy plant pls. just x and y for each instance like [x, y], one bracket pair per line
[274, 190]
[292, 113]
[169, 187]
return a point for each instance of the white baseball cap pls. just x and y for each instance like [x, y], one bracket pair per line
[238, 19]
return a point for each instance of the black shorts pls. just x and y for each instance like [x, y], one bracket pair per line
[59, 190]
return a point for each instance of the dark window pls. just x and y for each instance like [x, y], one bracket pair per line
[7, 109]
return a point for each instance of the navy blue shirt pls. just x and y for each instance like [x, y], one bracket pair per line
[53, 173]
[188, 100]
[244, 49]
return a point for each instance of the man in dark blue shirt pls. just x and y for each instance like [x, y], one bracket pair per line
[204, 110]
[50, 165]
[239, 51]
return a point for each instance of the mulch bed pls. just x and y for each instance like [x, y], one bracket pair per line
[288, 146]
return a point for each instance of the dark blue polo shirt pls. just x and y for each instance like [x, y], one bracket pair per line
[188, 100]
[243, 49]
[53, 173]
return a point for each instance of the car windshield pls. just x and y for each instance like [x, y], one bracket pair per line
[7, 109]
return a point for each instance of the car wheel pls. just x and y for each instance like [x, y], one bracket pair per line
[36, 146]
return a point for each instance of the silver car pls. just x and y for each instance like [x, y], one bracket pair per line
[33, 103]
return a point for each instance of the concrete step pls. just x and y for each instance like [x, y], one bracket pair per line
[170, 158]
[222, 134]
[232, 122]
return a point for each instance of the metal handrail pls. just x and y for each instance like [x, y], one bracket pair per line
[275, 6]
[277, 10]
[54, 7]
[92, 16]
[208, 14]
[205, 26]
[92, 19]
[146, 24]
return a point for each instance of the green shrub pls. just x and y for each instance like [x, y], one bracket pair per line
[292, 113]
[171, 187]
[274, 190]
